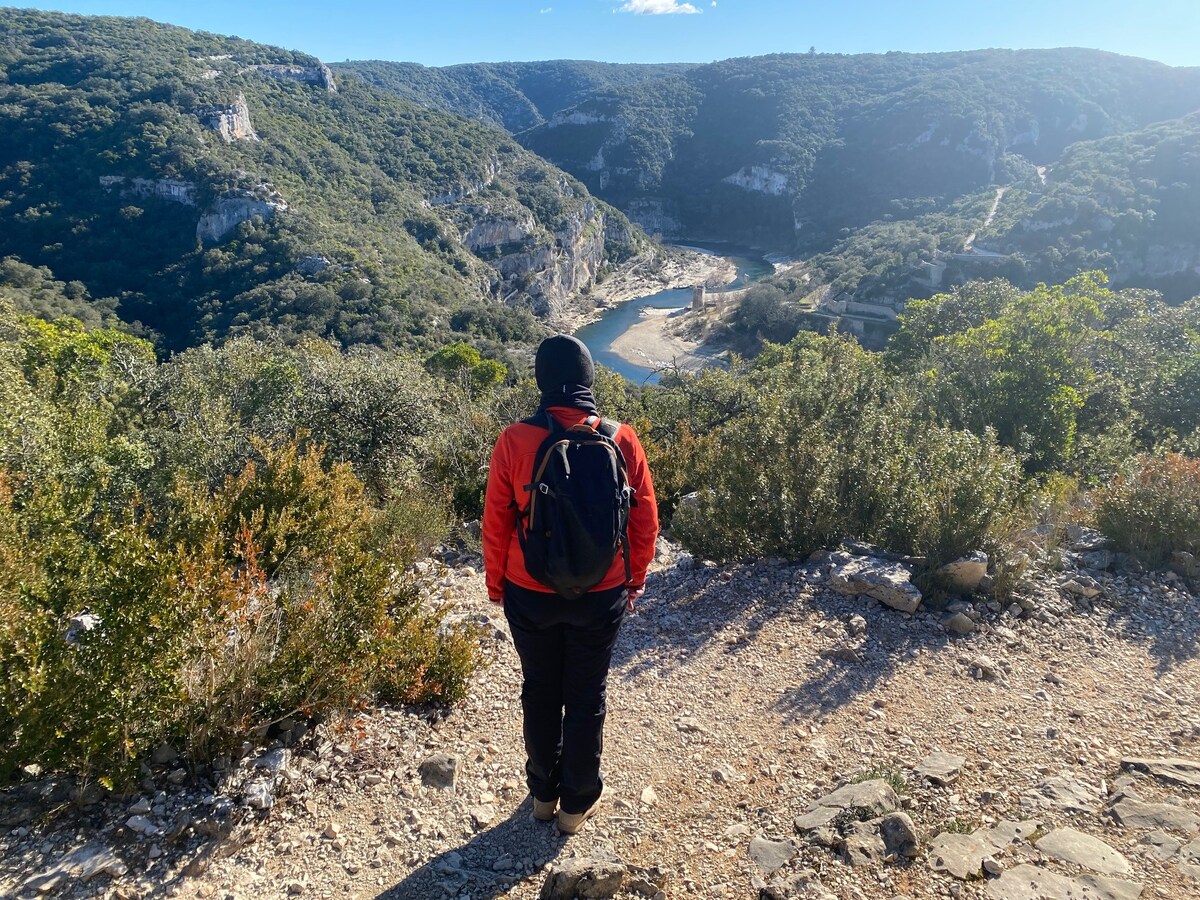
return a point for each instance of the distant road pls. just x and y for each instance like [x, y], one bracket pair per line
[969, 244]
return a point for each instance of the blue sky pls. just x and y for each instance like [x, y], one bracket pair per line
[452, 31]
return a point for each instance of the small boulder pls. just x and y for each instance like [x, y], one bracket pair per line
[899, 835]
[941, 768]
[889, 583]
[959, 623]
[963, 575]
[585, 877]
[439, 771]
[862, 845]
[770, 855]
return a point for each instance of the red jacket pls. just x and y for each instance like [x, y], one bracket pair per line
[511, 469]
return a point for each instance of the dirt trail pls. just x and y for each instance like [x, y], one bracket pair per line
[738, 696]
[969, 244]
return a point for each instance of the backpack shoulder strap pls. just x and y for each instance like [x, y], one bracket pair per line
[609, 428]
[543, 419]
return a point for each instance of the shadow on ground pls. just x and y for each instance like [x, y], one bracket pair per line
[469, 868]
[723, 610]
[1166, 622]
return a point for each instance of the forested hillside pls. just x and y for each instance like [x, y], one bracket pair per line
[210, 186]
[883, 163]
[515, 96]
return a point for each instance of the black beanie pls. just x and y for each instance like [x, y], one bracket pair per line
[561, 360]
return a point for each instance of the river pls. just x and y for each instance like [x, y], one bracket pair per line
[599, 335]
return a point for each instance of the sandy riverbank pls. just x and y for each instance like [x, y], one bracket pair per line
[654, 342]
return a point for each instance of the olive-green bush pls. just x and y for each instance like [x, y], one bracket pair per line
[825, 445]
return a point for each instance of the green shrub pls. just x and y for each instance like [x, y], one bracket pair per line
[282, 593]
[1155, 509]
[828, 446]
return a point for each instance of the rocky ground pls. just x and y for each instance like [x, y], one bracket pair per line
[774, 731]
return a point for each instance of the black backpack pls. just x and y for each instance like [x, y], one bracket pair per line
[578, 513]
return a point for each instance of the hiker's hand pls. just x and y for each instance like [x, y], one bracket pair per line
[498, 601]
[633, 596]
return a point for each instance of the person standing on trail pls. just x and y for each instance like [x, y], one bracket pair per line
[569, 529]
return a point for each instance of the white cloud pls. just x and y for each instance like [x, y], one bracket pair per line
[658, 7]
[546, 9]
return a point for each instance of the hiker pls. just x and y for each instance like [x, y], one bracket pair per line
[567, 582]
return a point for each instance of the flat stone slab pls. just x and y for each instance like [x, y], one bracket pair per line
[1133, 813]
[1191, 853]
[887, 582]
[1030, 882]
[1061, 792]
[817, 818]
[941, 768]
[1173, 770]
[1162, 845]
[1006, 834]
[960, 855]
[875, 795]
[81, 864]
[771, 856]
[1082, 849]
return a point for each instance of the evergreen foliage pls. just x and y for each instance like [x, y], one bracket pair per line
[874, 164]
[108, 161]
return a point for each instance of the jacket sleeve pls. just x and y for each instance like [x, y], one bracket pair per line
[643, 518]
[499, 519]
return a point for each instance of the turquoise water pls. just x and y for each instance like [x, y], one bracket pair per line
[599, 335]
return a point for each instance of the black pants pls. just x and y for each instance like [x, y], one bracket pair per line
[565, 648]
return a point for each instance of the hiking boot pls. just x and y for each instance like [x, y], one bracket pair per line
[543, 810]
[570, 823]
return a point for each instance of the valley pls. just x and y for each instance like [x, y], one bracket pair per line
[911, 346]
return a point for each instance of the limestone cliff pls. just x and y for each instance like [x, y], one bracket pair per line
[174, 190]
[227, 213]
[543, 266]
[320, 75]
[231, 122]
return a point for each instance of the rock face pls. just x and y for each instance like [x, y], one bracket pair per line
[227, 213]
[183, 192]
[759, 179]
[885, 581]
[231, 122]
[319, 75]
